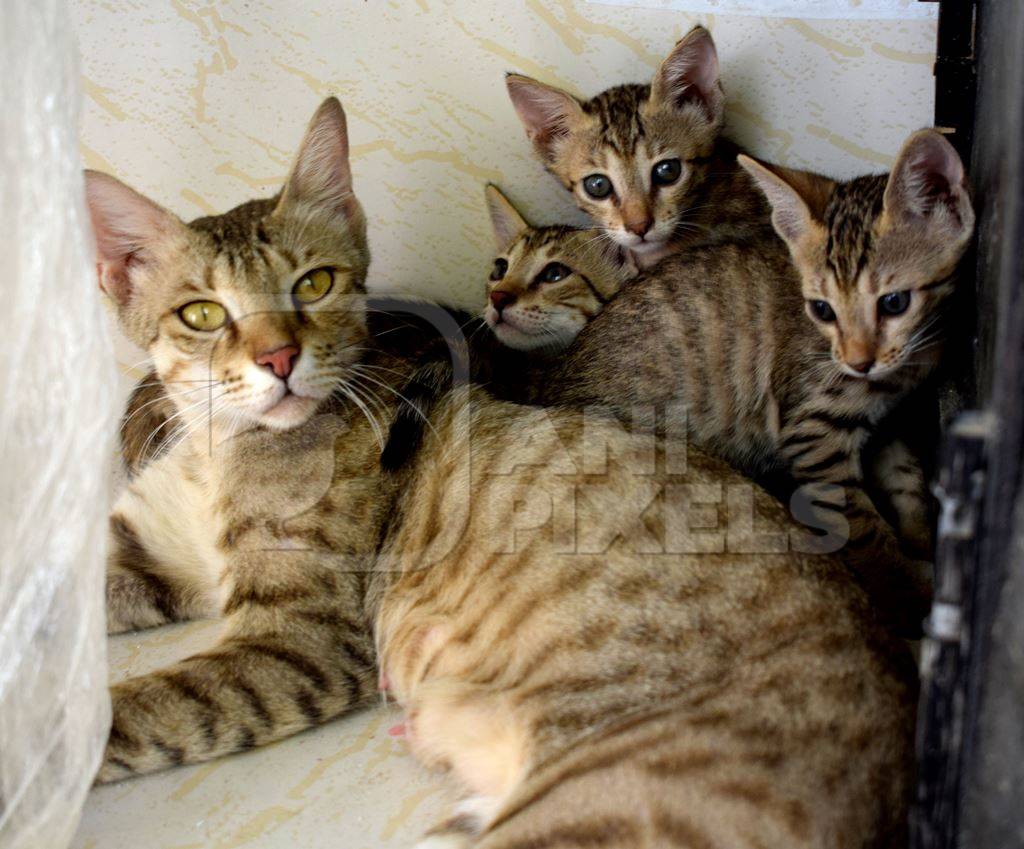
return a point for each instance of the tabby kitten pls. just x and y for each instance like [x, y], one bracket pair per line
[548, 282]
[646, 162]
[785, 371]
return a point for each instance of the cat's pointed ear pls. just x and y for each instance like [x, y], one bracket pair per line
[127, 228]
[797, 198]
[928, 182]
[321, 176]
[690, 76]
[547, 113]
[505, 218]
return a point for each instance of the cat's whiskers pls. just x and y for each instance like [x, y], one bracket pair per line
[394, 392]
[372, 399]
[183, 421]
[161, 399]
[345, 388]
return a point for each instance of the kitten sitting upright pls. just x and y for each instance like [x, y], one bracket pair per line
[548, 282]
[647, 162]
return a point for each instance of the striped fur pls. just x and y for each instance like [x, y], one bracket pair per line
[727, 353]
[236, 516]
[624, 132]
[605, 688]
[528, 311]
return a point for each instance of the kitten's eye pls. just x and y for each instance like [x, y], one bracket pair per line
[313, 286]
[822, 311]
[553, 272]
[203, 315]
[666, 172]
[895, 303]
[598, 186]
[500, 268]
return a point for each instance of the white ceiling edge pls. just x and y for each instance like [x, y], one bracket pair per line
[825, 9]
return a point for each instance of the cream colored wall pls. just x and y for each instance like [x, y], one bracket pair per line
[200, 105]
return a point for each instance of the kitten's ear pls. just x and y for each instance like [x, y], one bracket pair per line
[797, 198]
[127, 228]
[928, 182]
[547, 113]
[505, 219]
[690, 76]
[321, 175]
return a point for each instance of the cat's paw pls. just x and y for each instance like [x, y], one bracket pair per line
[112, 769]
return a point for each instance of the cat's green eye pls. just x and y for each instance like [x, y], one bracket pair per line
[203, 315]
[822, 311]
[553, 272]
[895, 303]
[598, 186]
[666, 172]
[500, 268]
[313, 286]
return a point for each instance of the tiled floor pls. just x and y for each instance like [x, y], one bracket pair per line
[346, 785]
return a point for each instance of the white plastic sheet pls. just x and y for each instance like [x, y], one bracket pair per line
[56, 407]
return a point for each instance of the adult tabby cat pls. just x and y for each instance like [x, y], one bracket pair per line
[779, 369]
[589, 666]
[647, 162]
[547, 282]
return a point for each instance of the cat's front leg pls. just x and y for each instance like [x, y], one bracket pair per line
[823, 454]
[296, 652]
[157, 570]
[898, 477]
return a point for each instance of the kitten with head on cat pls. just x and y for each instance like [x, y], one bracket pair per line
[628, 683]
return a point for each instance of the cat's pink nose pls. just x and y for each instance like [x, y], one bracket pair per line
[864, 366]
[640, 226]
[280, 361]
[501, 299]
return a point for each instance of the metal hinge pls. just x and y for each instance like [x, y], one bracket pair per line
[960, 491]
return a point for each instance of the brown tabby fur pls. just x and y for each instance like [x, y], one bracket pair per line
[582, 689]
[589, 666]
[625, 130]
[716, 338]
[539, 314]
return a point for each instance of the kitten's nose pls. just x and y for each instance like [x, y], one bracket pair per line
[280, 361]
[640, 226]
[864, 366]
[501, 299]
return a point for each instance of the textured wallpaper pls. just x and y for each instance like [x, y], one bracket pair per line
[201, 105]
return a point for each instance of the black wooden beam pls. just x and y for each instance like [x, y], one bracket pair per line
[992, 784]
[955, 73]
